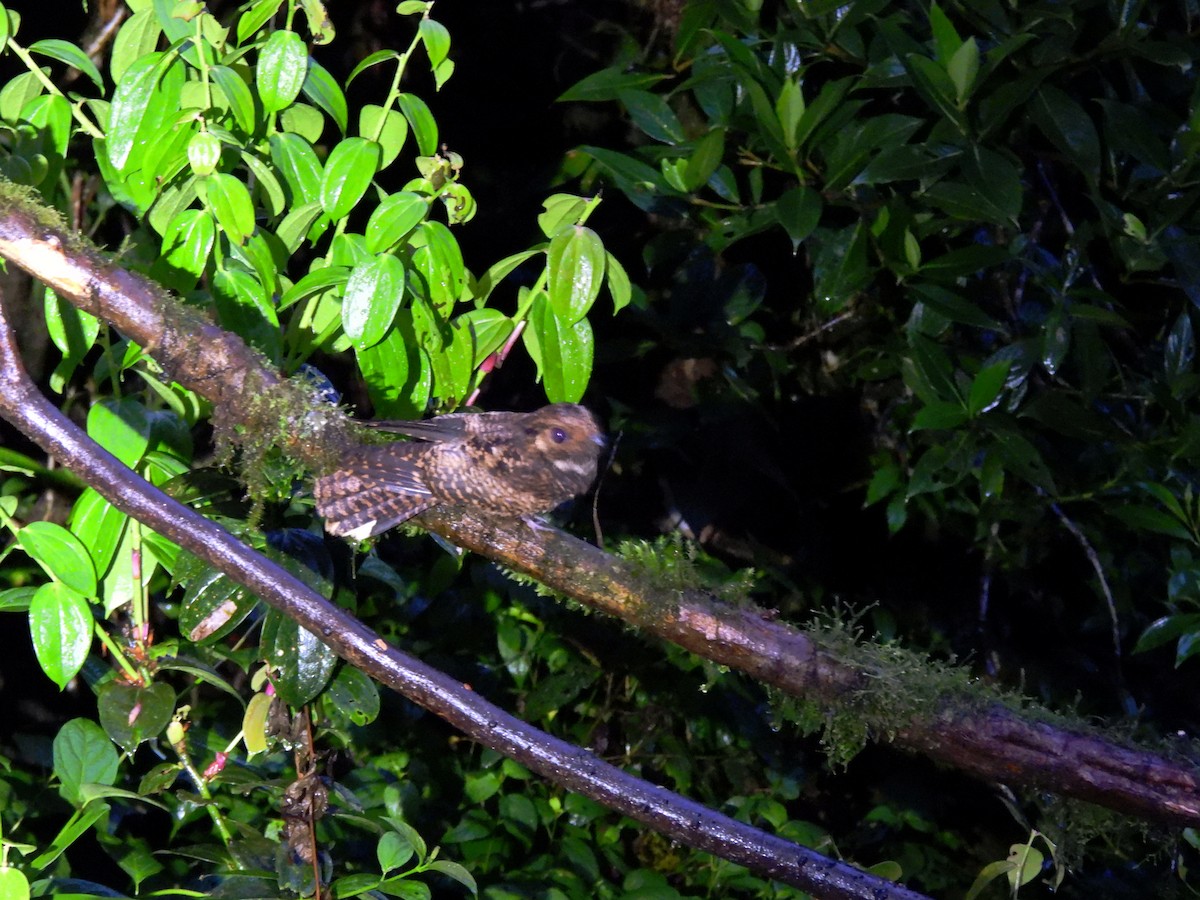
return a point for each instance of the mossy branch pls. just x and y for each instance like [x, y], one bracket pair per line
[950, 719]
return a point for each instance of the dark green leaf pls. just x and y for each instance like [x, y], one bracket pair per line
[300, 663]
[1068, 127]
[131, 714]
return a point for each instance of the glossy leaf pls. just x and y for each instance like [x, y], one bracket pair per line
[213, 606]
[440, 264]
[348, 173]
[68, 53]
[61, 554]
[394, 218]
[297, 162]
[60, 623]
[575, 261]
[282, 68]
[238, 96]
[131, 100]
[323, 90]
[372, 297]
[653, 116]
[563, 352]
[300, 664]
[424, 128]
[230, 203]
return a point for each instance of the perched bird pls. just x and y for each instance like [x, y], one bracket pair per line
[503, 463]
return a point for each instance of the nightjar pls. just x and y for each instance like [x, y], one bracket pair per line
[508, 464]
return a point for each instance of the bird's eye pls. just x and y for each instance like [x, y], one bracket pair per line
[557, 435]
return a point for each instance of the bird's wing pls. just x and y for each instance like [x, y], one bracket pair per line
[452, 427]
[377, 489]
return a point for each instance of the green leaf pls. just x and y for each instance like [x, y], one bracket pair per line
[653, 115]
[945, 36]
[13, 884]
[397, 372]
[186, 249]
[352, 697]
[99, 526]
[79, 823]
[68, 53]
[489, 329]
[559, 211]
[297, 162]
[60, 554]
[394, 218]
[122, 427]
[372, 297]
[213, 606]
[60, 623]
[839, 266]
[255, 17]
[828, 99]
[440, 264]
[83, 755]
[303, 220]
[1149, 518]
[962, 68]
[939, 415]
[799, 211]
[230, 203]
[618, 282]
[436, 39]
[131, 714]
[392, 851]
[457, 872]
[1068, 127]
[348, 173]
[607, 84]
[424, 128]
[705, 159]
[387, 127]
[935, 87]
[244, 307]
[1180, 353]
[1166, 629]
[372, 59]
[73, 331]
[300, 663]
[575, 262]
[563, 352]
[323, 90]
[986, 387]
[239, 96]
[499, 271]
[131, 100]
[282, 68]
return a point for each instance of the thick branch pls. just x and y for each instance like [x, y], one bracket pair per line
[987, 740]
[572, 767]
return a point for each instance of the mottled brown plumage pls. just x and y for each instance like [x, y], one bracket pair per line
[501, 463]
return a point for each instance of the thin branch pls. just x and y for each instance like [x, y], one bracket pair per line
[572, 767]
[975, 735]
